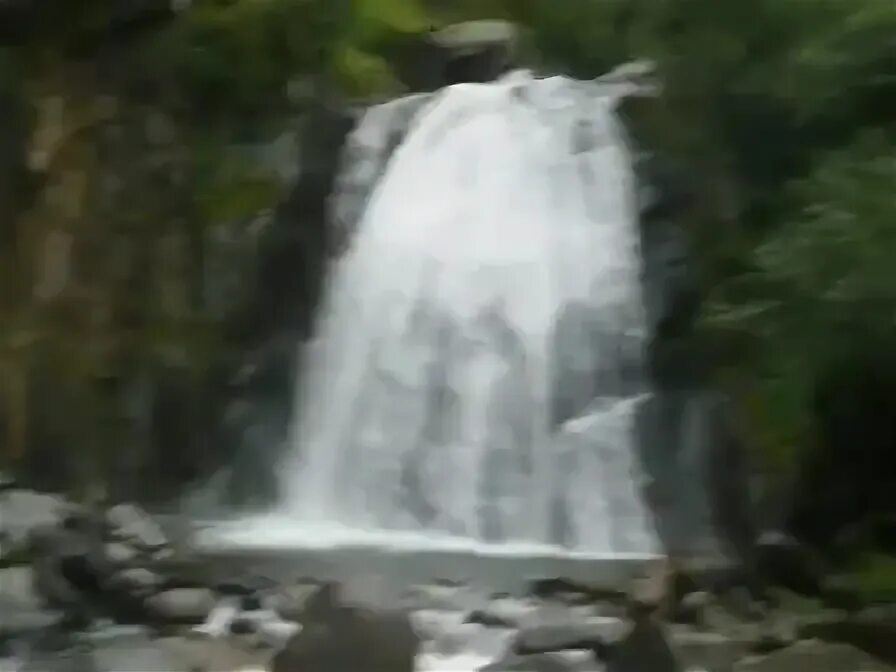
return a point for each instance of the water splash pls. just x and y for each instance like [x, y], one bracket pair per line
[478, 364]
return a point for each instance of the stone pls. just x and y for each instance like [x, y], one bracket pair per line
[7, 483]
[289, 600]
[193, 653]
[133, 523]
[121, 555]
[347, 638]
[710, 651]
[691, 609]
[135, 581]
[784, 561]
[181, 605]
[595, 636]
[650, 591]
[815, 656]
[132, 651]
[489, 620]
[644, 648]
[25, 511]
[561, 661]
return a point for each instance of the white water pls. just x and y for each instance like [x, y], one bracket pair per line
[478, 362]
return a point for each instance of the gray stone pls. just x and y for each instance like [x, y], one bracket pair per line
[133, 523]
[120, 554]
[181, 605]
[476, 34]
[135, 581]
[24, 511]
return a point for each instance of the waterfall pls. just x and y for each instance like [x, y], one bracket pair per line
[478, 364]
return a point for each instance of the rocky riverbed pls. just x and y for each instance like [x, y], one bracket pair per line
[114, 590]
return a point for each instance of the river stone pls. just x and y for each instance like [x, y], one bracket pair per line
[181, 605]
[137, 581]
[130, 522]
[121, 554]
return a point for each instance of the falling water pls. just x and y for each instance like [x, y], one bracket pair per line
[478, 363]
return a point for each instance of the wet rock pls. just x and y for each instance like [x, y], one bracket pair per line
[644, 648]
[25, 511]
[691, 609]
[181, 605]
[348, 638]
[816, 656]
[710, 651]
[7, 483]
[132, 523]
[289, 601]
[136, 581]
[574, 592]
[651, 590]
[121, 555]
[598, 636]
[21, 607]
[489, 620]
[560, 661]
[476, 50]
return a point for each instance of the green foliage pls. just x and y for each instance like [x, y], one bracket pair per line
[235, 57]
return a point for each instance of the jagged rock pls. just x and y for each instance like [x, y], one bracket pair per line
[181, 605]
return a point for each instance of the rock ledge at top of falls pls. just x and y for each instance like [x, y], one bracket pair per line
[475, 34]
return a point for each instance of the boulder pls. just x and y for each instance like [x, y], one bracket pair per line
[136, 581]
[135, 525]
[180, 606]
[644, 648]
[338, 637]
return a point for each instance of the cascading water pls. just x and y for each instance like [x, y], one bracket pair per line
[478, 363]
